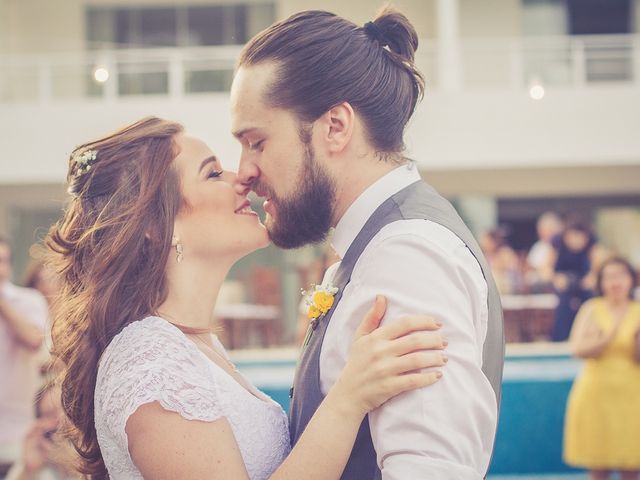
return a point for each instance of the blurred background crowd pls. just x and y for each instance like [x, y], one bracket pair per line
[530, 126]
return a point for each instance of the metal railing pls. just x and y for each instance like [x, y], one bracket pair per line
[498, 63]
[568, 61]
[114, 74]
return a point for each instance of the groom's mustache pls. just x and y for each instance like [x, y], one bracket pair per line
[263, 190]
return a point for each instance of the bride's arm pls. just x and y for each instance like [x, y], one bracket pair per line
[383, 363]
[165, 445]
[376, 371]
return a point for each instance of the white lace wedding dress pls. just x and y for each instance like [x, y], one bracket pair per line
[152, 360]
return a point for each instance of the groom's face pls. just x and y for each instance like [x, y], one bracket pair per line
[279, 163]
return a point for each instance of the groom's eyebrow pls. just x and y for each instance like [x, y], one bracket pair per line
[207, 161]
[241, 133]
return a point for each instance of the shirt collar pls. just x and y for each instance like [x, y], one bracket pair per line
[363, 207]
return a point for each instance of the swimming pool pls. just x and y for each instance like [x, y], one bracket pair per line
[537, 380]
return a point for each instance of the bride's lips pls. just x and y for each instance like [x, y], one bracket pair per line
[245, 209]
[268, 206]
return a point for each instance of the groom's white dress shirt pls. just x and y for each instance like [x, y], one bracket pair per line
[446, 430]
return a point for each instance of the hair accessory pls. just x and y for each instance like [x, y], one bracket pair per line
[84, 161]
[373, 32]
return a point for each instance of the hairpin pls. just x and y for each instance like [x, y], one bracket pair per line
[84, 161]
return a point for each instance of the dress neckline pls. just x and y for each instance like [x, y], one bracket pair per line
[604, 305]
[249, 388]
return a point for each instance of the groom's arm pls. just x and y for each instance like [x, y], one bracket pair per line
[445, 430]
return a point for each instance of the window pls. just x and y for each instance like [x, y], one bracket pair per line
[579, 40]
[183, 26]
[605, 61]
[126, 28]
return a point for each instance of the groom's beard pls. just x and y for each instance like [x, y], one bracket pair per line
[305, 217]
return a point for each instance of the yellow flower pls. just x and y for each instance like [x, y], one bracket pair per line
[323, 300]
[314, 312]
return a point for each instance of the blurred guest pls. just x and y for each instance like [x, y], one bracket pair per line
[540, 276]
[503, 261]
[23, 317]
[45, 454]
[573, 278]
[603, 412]
[39, 277]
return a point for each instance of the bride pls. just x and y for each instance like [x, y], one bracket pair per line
[153, 226]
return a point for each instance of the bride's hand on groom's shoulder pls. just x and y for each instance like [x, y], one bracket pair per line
[387, 360]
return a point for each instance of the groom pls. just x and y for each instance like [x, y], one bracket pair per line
[320, 107]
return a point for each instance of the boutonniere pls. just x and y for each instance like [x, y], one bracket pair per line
[318, 302]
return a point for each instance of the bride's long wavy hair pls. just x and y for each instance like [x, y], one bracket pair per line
[110, 248]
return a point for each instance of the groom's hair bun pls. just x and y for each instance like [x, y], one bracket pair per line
[397, 33]
[323, 60]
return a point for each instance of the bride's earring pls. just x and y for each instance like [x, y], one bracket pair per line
[178, 246]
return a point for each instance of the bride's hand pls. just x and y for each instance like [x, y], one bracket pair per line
[386, 361]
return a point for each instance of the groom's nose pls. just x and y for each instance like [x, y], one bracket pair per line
[248, 173]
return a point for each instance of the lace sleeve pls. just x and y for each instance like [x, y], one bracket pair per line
[151, 361]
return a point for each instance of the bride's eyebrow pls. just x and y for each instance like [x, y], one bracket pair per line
[207, 161]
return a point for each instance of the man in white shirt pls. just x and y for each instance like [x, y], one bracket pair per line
[540, 256]
[320, 106]
[23, 317]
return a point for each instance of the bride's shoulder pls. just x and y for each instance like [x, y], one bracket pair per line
[151, 360]
[149, 341]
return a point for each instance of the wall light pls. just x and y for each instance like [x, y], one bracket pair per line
[101, 74]
[536, 91]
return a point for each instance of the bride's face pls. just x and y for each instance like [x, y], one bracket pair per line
[214, 221]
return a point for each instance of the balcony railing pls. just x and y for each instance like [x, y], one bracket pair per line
[561, 61]
[506, 63]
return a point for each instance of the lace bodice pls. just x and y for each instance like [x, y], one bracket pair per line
[151, 360]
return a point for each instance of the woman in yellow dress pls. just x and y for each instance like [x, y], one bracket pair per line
[602, 426]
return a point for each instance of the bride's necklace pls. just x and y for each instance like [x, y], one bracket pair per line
[239, 379]
[213, 350]
[193, 332]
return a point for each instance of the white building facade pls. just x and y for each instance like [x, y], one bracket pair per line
[531, 104]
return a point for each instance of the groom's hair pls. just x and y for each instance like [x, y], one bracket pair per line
[323, 60]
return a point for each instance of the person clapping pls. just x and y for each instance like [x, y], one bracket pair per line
[45, 454]
[603, 421]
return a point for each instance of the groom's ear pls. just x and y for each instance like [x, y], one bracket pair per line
[339, 126]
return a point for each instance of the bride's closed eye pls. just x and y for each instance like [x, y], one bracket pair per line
[215, 174]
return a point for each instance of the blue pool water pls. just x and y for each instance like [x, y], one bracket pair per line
[529, 438]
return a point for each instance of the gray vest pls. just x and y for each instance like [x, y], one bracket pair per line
[417, 201]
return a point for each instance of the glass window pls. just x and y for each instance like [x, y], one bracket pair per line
[183, 26]
[216, 25]
[148, 27]
[121, 27]
[544, 17]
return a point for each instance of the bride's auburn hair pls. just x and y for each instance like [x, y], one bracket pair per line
[110, 249]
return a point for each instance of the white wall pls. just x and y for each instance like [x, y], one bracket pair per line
[490, 18]
[42, 26]
[37, 139]
[508, 129]
[481, 130]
